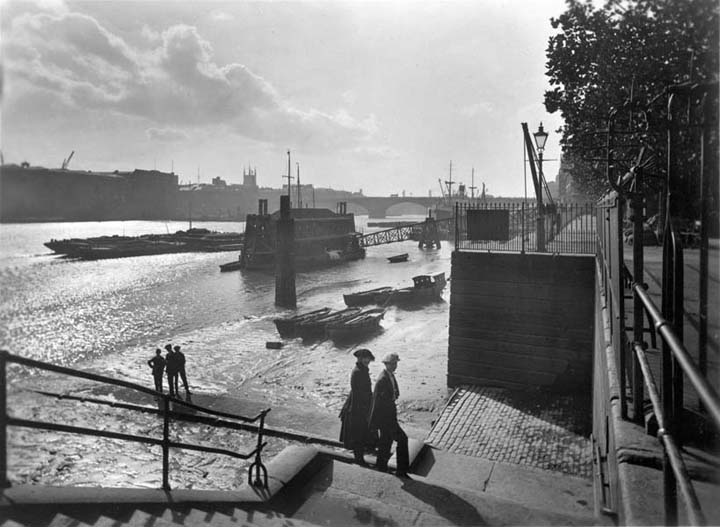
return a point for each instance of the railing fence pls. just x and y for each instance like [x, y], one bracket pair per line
[567, 228]
[257, 473]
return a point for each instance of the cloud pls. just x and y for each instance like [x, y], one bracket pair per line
[166, 134]
[174, 82]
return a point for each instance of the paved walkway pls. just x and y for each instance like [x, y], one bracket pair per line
[538, 429]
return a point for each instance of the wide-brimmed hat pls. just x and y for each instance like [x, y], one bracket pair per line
[176, 348]
[168, 347]
[391, 357]
[363, 353]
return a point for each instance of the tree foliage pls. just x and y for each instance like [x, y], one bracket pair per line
[622, 56]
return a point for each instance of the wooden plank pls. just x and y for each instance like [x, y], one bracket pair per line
[523, 268]
[508, 359]
[529, 350]
[549, 326]
[516, 289]
[524, 376]
[522, 308]
[495, 334]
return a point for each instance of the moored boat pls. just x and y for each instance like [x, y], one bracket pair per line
[315, 327]
[286, 325]
[425, 287]
[231, 266]
[364, 323]
[192, 240]
[398, 258]
[371, 296]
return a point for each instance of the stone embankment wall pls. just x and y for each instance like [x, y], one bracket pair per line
[521, 320]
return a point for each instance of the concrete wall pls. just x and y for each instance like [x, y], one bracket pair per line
[521, 320]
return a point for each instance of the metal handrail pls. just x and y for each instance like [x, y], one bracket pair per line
[672, 452]
[256, 467]
[675, 474]
[707, 394]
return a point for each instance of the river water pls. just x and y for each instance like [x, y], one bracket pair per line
[108, 316]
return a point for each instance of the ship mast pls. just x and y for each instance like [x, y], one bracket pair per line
[450, 184]
[299, 201]
[289, 177]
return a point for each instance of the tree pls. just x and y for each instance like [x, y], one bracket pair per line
[622, 57]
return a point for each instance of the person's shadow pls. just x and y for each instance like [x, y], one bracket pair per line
[446, 504]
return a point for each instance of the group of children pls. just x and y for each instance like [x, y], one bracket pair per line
[173, 364]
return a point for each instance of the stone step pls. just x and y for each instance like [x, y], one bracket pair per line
[344, 494]
[63, 520]
[522, 484]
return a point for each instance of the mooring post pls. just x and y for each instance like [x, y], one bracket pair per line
[285, 257]
[4, 483]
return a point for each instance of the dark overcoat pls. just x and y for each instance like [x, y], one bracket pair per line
[384, 412]
[355, 413]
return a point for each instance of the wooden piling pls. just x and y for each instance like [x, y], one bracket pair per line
[285, 295]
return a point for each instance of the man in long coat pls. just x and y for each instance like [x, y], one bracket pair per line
[171, 368]
[157, 363]
[355, 414]
[384, 417]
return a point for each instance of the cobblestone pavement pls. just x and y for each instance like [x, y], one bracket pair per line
[538, 429]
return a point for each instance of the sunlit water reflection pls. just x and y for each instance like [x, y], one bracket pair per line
[108, 316]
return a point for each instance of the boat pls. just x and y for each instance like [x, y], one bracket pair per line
[315, 327]
[426, 287]
[364, 323]
[322, 238]
[286, 325]
[231, 266]
[398, 258]
[191, 240]
[371, 296]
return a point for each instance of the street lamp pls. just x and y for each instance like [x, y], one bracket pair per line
[540, 138]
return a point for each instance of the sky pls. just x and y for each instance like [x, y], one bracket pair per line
[375, 96]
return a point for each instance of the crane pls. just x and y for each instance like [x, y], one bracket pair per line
[66, 162]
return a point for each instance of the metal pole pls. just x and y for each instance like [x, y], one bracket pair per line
[522, 219]
[638, 274]
[166, 442]
[540, 242]
[668, 391]
[4, 483]
[289, 177]
[705, 193]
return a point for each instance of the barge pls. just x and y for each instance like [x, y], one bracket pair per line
[322, 237]
[191, 240]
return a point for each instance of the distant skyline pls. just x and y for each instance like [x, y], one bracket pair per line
[378, 96]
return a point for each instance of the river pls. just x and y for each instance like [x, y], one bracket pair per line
[108, 317]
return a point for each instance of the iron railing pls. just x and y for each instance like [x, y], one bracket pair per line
[257, 473]
[635, 375]
[567, 228]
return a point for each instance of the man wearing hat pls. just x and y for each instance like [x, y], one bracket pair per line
[355, 413]
[180, 361]
[384, 418]
[171, 368]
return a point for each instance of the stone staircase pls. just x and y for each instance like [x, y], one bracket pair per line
[308, 486]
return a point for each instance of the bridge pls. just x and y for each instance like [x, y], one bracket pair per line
[377, 207]
[421, 231]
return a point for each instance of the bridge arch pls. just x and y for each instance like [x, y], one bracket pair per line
[378, 207]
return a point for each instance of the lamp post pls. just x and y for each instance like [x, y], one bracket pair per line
[540, 138]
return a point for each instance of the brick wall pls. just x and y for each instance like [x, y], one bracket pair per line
[521, 320]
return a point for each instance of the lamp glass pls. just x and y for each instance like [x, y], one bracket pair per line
[540, 137]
